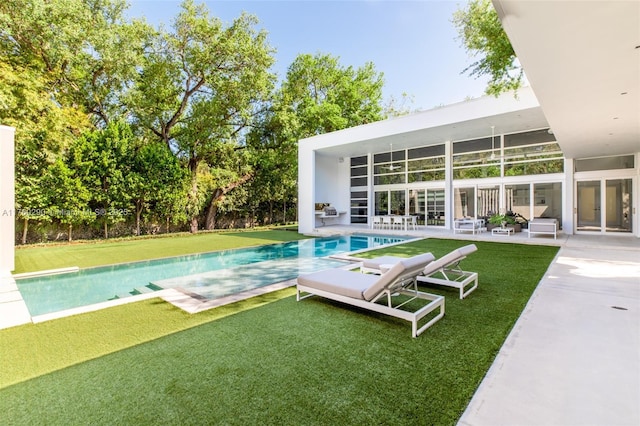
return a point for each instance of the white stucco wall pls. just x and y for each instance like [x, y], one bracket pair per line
[7, 199]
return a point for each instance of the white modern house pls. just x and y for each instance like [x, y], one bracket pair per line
[567, 148]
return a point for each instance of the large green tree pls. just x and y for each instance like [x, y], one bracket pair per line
[318, 95]
[102, 160]
[325, 96]
[157, 180]
[482, 35]
[199, 89]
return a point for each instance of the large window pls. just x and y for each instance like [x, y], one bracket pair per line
[464, 203]
[359, 206]
[547, 200]
[359, 171]
[477, 158]
[426, 163]
[488, 201]
[389, 168]
[604, 163]
[532, 153]
[518, 200]
[390, 202]
[359, 181]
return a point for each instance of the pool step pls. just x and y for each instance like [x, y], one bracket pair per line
[149, 288]
[142, 290]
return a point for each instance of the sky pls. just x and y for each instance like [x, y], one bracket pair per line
[413, 43]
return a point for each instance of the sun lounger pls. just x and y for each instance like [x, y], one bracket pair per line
[446, 271]
[369, 291]
[384, 263]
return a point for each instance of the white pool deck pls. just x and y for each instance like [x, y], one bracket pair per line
[572, 358]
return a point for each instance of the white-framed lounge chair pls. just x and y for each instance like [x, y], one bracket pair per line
[443, 271]
[381, 264]
[369, 291]
[446, 271]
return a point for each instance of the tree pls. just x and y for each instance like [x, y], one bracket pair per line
[157, 178]
[102, 159]
[200, 87]
[68, 197]
[85, 51]
[324, 96]
[318, 95]
[482, 35]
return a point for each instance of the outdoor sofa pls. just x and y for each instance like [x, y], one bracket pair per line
[543, 225]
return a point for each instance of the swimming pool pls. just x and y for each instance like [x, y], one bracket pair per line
[210, 275]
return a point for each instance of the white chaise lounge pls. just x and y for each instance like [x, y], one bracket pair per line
[369, 291]
[443, 271]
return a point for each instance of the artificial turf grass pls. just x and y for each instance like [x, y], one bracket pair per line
[312, 362]
[98, 253]
[58, 344]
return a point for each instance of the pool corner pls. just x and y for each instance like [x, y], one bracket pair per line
[13, 309]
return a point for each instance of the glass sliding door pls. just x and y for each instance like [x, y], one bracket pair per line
[618, 205]
[604, 205]
[588, 208]
[397, 202]
[464, 203]
[518, 200]
[435, 207]
[488, 201]
[417, 205]
[390, 202]
[547, 200]
[381, 203]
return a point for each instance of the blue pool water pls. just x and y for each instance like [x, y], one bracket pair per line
[210, 275]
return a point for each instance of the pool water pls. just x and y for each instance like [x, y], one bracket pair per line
[210, 275]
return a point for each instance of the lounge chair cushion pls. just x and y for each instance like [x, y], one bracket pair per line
[449, 258]
[410, 266]
[382, 260]
[339, 281]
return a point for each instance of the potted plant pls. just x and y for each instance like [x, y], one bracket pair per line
[503, 221]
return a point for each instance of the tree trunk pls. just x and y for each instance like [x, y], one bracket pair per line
[193, 227]
[270, 212]
[218, 194]
[24, 230]
[212, 210]
[70, 230]
[284, 212]
[106, 229]
[193, 195]
[139, 205]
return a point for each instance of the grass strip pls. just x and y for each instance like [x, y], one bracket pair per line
[88, 254]
[286, 362]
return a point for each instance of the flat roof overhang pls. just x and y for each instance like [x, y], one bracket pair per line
[461, 121]
[582, 58]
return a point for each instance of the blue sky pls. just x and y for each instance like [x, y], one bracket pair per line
[413, 43]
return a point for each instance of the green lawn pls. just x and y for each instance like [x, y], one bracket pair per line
[269, 360]
[87, 254]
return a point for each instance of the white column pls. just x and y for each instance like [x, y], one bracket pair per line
[568, 198]
[7, 199]
[448, 185]
[306, 189]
